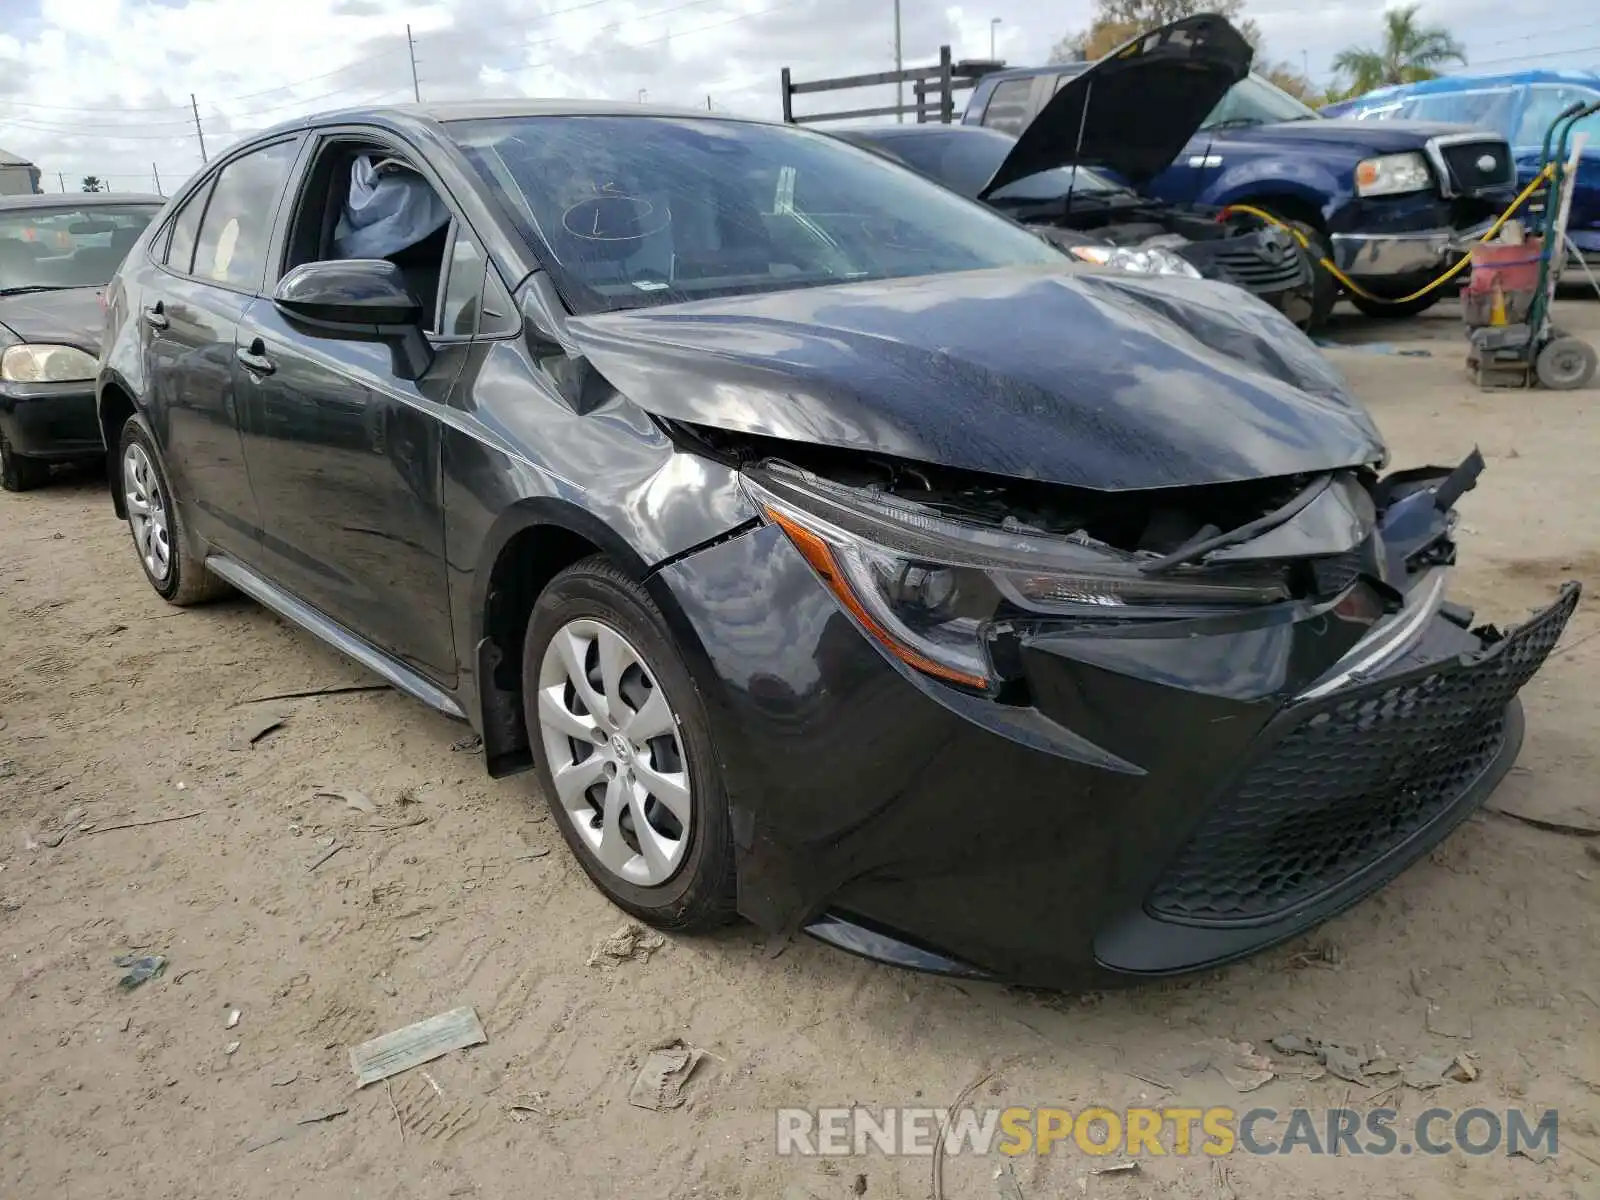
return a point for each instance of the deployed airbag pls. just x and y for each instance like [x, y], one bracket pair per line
[389, 208]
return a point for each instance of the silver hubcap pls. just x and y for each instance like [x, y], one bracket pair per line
[147, 512]
[615, 754]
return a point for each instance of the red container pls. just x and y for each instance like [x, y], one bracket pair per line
[1515, 268]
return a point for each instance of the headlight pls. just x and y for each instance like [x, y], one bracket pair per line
[45, 364]
[1393, 174]
[931, 588]
[1143, 262]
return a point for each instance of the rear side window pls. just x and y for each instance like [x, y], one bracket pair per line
[232, 246]
[1008, 108]
[185, 227]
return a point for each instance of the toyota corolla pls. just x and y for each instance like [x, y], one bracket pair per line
[836, 552]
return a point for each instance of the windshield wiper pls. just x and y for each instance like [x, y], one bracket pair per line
[25, 288]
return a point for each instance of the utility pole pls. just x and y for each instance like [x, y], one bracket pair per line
[198, 132]
[994, 23]
[61, 178]
[708, 103]
[1305, 64]
[899, 65]
[411, 45]
[155, 174]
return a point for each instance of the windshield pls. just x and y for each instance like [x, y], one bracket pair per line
[639, 211]
[67, 247]
[966, 158]
[1254, 101]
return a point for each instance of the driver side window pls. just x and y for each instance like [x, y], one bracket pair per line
[360, 200]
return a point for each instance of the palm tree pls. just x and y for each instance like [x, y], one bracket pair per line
[1410, 52]
[91, 183]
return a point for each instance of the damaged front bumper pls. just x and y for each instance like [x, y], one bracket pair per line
[1166, 796]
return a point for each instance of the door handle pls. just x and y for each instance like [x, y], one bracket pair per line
[155, 316]
[254, 360]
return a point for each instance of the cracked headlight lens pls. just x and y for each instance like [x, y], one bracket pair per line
[929, 587]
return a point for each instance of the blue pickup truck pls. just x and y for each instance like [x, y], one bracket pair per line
[1520, 107]
[1177, 114]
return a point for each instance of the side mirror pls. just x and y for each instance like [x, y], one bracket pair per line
[358, 298]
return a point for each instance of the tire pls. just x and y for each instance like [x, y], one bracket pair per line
[1394, 312]
[687, 884]
[20, 473]
[1565, 364]
[173, 569]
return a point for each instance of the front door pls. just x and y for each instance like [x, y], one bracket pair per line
[345, 459]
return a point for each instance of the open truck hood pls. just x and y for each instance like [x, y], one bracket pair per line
[1075, 376]
[1134, 109]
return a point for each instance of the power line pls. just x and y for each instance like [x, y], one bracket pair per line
[1520, 58]
[1547, 33]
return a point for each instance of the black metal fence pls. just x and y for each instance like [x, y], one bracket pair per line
[933, 91]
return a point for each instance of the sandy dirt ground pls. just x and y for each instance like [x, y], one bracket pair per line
[456, 891]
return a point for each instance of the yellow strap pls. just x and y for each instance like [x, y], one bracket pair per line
[1546, 173]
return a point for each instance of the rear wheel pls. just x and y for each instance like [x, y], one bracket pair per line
[175, 571]
[20, 473]
[623, 750]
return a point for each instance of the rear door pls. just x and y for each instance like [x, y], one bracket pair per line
[210, 259]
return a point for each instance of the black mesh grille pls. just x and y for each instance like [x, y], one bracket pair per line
[1344, 780]
[1264, 269]
[1479, 164]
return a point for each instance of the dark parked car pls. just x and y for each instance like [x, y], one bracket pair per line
[1099, 220]
[56, 253]
[835, 550]
[1177, 114]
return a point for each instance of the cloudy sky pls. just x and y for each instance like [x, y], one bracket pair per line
[103, 86]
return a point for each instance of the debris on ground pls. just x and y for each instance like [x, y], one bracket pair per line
[233, 1019]
[255, 727]
[232, 1048]
[139, 969]
[1425, 1073]
[470, 742]
[352, 799]
[1293, 1043]
[10, 904]
[315, 1117]
[660, 1082]
[1323, 954]
[859, 1185]
[1533, 1152]
[1122, 1168]
[1462, 1069]
[630, 943]
[414, 1045]
[1381, 1066]
[330, 847]
[1237, 1062]
[1343, 1062]
[1005, 1182]
[1448, 1024]
[521, 1106]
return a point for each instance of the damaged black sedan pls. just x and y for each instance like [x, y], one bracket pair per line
[837, 552]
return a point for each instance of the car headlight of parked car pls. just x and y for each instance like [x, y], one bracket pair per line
[46, 364]
[930, 587]
[1392, 174]
[1152, 261]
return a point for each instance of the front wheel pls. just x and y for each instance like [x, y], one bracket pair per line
[1386, 310]
[18, 472]
[623, 750]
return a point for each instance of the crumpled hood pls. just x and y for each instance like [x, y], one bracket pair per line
[70, 317]
[1077, 376]
[1134, 109]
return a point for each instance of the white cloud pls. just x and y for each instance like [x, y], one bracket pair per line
[102, 86]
